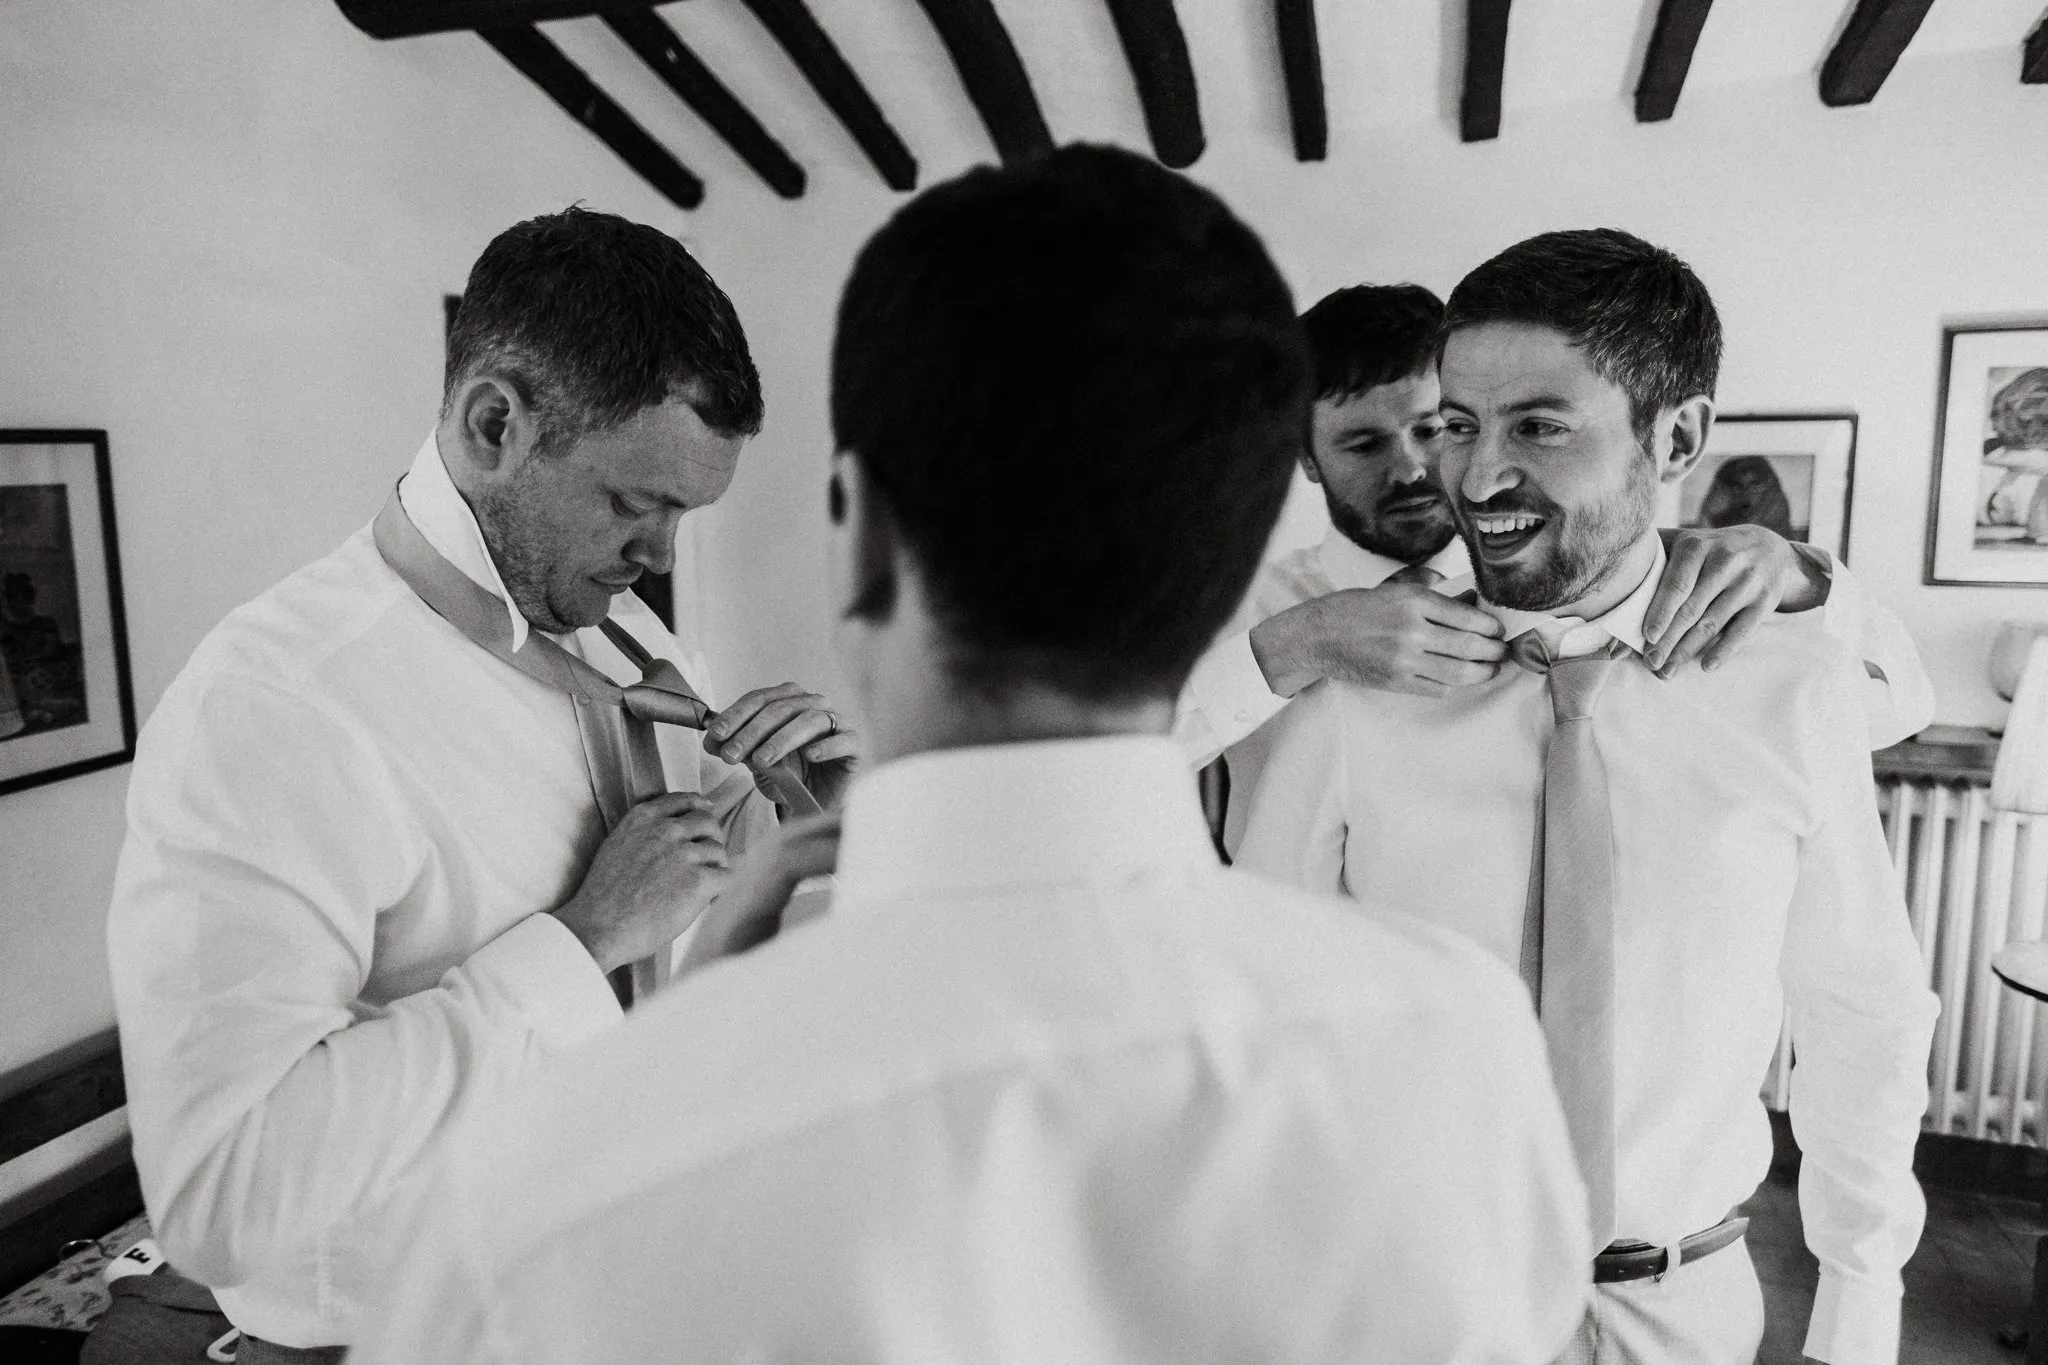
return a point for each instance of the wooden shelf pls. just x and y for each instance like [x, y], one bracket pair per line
[1941, 753]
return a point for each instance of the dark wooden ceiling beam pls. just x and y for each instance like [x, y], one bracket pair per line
[2034, 55]
[1158, 55]
[994, 75]
[1665, 65]
[1301, 64]
[1877, 32]
[1486, 55]
[545, 65]
[664, 51]
[409, 18]
[791, 25]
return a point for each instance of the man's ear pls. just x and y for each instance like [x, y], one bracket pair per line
[491, 426]
[867, 547]
[1685, 428]
[1307, 456]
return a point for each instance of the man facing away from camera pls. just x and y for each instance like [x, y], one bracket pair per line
[375, 868]
[1375, 603]
[1670, 862]
[1049, 1083]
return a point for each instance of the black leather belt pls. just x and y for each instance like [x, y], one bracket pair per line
[1641, 1261]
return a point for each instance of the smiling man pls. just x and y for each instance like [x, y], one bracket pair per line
[1374, 604]
[379, 860]
[1669, 862]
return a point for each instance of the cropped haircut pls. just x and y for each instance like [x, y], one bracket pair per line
[593, 318]
[1078, 387]
[1639, 314]
[1367, 335]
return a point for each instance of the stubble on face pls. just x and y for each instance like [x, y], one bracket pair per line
[517, 531]
[1566, 469]
[1590, 544]
[571, 530]
[1410, 540]
[1364, 449]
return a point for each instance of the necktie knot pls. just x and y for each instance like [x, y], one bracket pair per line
[1575, 684]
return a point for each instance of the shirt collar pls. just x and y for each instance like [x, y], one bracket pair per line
[1574, 635]
[442, 515]
[1349, 565]
[959, 820]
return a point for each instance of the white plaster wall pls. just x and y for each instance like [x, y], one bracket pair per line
[224, 235]
[227, 225]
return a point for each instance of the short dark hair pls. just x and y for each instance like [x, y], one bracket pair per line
[1367, 335]
[1641, 316]
[1079, 389]
[593, 318]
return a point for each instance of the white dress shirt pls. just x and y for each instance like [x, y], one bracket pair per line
[1227, 698]
[1227, 695]
[1750, 872]
[326, 940]
[1047, 1084]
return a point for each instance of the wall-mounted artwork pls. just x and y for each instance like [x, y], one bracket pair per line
[1989, 520]
[1789, 472]
[66, 703]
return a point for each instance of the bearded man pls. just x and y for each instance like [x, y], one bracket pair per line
[1669, 861]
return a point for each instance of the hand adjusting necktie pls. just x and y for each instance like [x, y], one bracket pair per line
[616, 724]
[1568, 921]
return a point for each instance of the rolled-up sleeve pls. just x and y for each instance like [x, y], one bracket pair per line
[272, 1107]
[1862, 1019]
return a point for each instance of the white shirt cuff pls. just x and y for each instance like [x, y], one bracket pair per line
[1226, 699]
[562, 994]
[1853, 1323]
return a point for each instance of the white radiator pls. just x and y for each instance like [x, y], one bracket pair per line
[1974, 879]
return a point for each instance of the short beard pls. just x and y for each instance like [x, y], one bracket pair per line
[1420, 543]
[511, 533]
[1590, 546]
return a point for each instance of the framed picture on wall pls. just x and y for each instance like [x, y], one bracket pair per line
[1988, 516]
[66, 703]
[1790, 472]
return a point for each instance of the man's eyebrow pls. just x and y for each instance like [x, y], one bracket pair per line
[1541, 400]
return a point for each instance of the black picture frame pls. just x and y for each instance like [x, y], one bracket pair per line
[97, 613]
[1948, 562]
[1826, 437]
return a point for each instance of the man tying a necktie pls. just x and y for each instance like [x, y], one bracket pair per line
[1671, 861]
[402, 814]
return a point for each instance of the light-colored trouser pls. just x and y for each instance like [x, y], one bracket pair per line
[1708, 1313]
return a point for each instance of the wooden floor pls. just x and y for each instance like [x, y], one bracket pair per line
[1968, 1280]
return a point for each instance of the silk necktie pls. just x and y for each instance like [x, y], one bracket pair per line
[1568, 924]
[615, 724]
[1419, 574]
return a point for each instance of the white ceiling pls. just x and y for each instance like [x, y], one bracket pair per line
[1385, 63]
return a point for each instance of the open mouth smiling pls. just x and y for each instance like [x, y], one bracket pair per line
[1502, 534]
